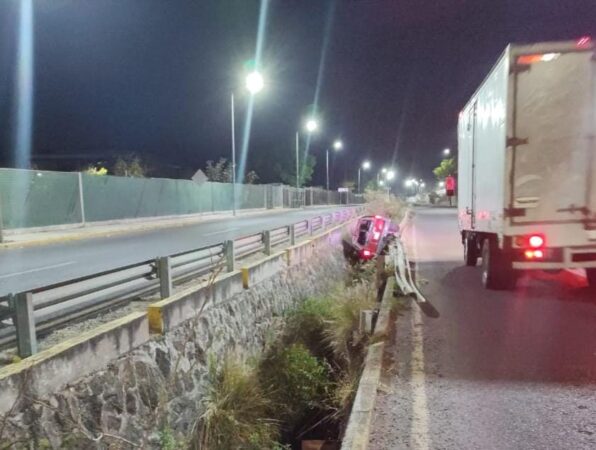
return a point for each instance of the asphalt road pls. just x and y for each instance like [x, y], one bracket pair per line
[22, 269]
[496, 370]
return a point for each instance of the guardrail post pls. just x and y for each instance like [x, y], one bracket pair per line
[25, 324]
[309, 227]
[267, 242]
[230, 256]
[164, 272]
[292, 232]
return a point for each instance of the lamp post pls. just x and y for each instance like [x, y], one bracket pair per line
[337, 146]
[365, 166]
[447, 152]
[254, 84]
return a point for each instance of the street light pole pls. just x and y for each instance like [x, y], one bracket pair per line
[297, 161]
[233, 156]
[327, 160]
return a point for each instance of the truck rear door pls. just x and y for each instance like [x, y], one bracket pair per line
[553, 139]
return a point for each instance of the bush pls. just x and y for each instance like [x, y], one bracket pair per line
[307, 323]
[299, 382]
[236, 411]
[342, 331]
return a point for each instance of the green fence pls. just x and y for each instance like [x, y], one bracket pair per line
[37, 198]
[30, 198]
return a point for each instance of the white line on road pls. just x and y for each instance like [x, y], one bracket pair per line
[419, 427]
[221, 231]
[38, 269]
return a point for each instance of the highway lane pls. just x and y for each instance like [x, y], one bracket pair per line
[29, 268]
[496, 370]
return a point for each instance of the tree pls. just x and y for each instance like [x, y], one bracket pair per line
[92, 170]
[221, 172]
[129, 166]
[447, 167]
[287, 171]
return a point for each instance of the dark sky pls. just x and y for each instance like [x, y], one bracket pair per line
[154, 76]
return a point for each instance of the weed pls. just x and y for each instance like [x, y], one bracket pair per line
[167, 441]
[236, 411]
[342, 332]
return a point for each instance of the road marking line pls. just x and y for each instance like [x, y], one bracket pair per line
[38, 269]
[221, 231]
[419, 427]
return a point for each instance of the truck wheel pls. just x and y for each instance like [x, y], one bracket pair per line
[497, 273]
[591, 274]
[470, 251]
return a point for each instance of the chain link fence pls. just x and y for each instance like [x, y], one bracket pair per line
[33, 198]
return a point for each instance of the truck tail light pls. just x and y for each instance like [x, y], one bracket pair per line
[536, 241]
[534, 254]
[366, 253]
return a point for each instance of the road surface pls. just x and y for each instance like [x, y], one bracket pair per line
[22, 269]
[496, 370]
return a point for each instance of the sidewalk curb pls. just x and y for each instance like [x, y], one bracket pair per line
[154, 225]
[359, 426]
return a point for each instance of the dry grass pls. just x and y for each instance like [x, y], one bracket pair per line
[378, 202]
[237, 411]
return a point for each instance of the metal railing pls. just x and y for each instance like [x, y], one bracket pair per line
[26, 315]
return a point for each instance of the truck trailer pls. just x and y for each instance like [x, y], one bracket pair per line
[527, 164]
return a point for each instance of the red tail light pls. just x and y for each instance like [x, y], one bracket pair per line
[534, 254]
[366, 253]
[536, 241]
[584, 42]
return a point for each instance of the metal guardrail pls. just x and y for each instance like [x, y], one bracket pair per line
[403, 272]
[25, 315]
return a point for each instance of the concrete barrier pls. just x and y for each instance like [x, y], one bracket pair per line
[255, 273]
[172, 311]
[51, 369]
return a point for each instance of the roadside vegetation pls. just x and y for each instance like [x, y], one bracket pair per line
[303, 384]
[387, 205]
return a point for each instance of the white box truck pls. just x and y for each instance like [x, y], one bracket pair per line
[527, 164]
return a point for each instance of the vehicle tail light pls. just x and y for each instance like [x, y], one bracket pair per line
[534, 254]
[584, 42]
[365, 252]
[378, 223]
[376, 235]
[536, 241]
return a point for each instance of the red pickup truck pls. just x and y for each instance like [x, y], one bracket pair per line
[371, 234]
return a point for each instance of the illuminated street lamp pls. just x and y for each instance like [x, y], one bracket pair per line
[384, 170]
[365, 166]
[390, 175]
[254, 84]
[447, 152]
[311, 126]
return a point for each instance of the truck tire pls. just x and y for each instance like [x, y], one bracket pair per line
[470, 250]
[591, 274]
[497, 273]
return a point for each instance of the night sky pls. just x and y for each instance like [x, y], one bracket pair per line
[154, 76]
